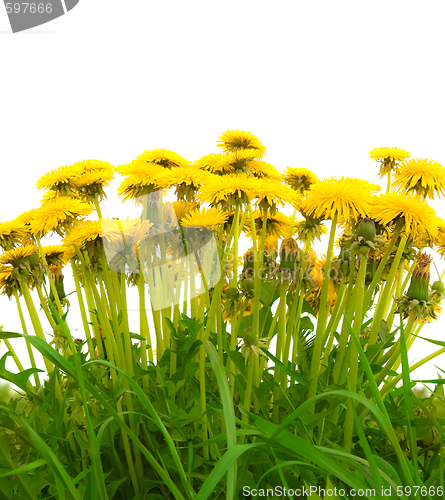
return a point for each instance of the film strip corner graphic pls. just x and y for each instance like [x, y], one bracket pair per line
[24, 15]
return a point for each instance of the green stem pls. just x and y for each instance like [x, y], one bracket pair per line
[376, 280]
[28, 345]
[281, 337]
[353, 362]
[82, 310]
[378, 316]
[322, 318]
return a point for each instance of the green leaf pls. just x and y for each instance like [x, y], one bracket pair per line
[293, 374]
[24, 468]
[9, 335]
[19, 379]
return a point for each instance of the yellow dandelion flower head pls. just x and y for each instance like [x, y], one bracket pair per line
[314, 297]
[261, 168]
[187, 180]
[316, 278]
[388, 158]
[49, 195]
[411, 210]
[94, 177]
[310, 228]
[204, 218]
[17, 256]
[346, 196]
[271, 244]
[59, 178]
[422, 176]
[182, 208]
[440, 239]
[139, 167]
[385, 153]
[277, 225]
[7, 283]
[88, 230]
[299, 179]
[227, 190]
[215, 163]
[164, 158]
[54, 254]
[239, 160]
[94, 166]
[271, 193]
[234, 140]
[58, 214]
[26, 217]
[136, 185]
[10, 234]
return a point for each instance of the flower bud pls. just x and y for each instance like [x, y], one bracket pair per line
[366, 229]
[247, 285]
[420, 280]
[289, 254]
[438, 286]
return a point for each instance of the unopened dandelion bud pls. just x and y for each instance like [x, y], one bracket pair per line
[247, 285]
[419, 286]
[249, 336]
[366, 230]
[289, 254]
[438, 286]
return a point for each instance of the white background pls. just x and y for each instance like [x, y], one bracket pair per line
[320, 83]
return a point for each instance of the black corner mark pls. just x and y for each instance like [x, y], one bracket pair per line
[26, 14]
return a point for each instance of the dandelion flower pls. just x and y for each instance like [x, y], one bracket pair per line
[316, 279]
[388, 157]
[58, 215]
[187, 180]
[94, 166]
[270, 194]
[164, 158]
[235, 140]
[140, 179]
[91, 184]
[60, 179]
[277, 225]
[17, 256]
[87, 235]
[228, 190]
[348, 197]
[239, 160]
[11, 233]
[54, 254]
[440, 239]
[310, 228]
[26, 217]
[182, 208]
[7, 284]
[204, 218]
[215, 163]
[299, 179]
[416, 214]
[261, 168]
[422, 176]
